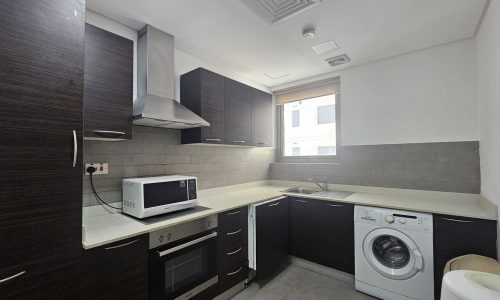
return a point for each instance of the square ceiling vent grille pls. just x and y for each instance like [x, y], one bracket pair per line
[273, 11]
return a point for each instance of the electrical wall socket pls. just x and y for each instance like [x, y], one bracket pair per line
[101, 168]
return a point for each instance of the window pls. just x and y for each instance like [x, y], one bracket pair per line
[316, 132]
[295, 118]
[326, 114]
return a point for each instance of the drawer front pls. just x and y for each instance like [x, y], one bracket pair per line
[231, 276]
[231, 256]
[233, 218]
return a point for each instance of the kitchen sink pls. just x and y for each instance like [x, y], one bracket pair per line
[299, 190]
[319, 193]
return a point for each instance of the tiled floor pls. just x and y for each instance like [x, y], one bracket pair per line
[297, 283]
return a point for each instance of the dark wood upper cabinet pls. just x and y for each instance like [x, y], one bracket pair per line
[202, 92]
[322, 232]
[41, 120]
[262, 119]
[455, 236]
[237, 113]
[108, 84]
[118, 270]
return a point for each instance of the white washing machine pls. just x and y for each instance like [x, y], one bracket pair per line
[393, 253]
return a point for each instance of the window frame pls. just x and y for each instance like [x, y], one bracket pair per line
[309, 158]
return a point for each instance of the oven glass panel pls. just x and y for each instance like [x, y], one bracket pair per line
[162, 193]
[186, 268]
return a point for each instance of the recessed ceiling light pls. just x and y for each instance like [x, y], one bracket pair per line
[325, 47]
[276, 75]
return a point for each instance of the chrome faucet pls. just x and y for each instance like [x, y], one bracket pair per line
[323, 185]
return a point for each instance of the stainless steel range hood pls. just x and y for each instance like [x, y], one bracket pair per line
[155, 105]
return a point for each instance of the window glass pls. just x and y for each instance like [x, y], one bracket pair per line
[326, 114]
[315, 134]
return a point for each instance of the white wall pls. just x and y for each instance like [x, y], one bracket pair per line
[488, 73]
[423, 96]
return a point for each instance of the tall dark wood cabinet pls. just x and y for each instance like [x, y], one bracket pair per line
[108, 97]
[202, 92]
[118, 270]
[41, 123]
[262, 119]
[237, 113]
[455, 236]
[322, 232]
[271, 238]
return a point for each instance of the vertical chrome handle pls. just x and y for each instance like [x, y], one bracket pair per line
[12, 277]
[75, 148]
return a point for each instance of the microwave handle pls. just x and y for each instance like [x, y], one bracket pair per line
[185, 245]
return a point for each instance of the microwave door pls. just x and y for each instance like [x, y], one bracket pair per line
[165, 193]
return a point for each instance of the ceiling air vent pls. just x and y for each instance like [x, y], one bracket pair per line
[338, 60]
[273, 11]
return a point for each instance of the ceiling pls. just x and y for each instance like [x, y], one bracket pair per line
[228, 34]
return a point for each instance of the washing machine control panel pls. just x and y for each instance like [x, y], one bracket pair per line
[394, 218]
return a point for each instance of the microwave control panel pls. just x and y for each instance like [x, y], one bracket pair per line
[192, 193]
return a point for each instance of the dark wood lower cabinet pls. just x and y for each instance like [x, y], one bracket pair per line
[322, 232]
[118, 270]
[456, 236]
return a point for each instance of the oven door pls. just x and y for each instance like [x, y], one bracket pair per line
[183, 270]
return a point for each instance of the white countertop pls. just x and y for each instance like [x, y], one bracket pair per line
[103, 227]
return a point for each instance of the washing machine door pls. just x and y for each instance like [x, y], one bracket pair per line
[392, 253]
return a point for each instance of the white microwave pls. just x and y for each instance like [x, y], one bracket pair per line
[150, 196]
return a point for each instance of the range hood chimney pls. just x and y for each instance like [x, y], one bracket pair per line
[155, 105]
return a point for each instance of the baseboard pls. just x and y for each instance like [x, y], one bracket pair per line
[231, 292]
[335, 274]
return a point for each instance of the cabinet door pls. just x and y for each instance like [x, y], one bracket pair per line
[456, 236]
[301, 228]
[271, 237]
[108, 84]
[202, 92]
[41, 100]
[237, 113]
[118, 270]
[262, 123]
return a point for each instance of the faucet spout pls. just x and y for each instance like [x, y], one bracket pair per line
[323, 185]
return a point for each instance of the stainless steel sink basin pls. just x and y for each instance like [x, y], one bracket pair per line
[299, 190]
[319, 193]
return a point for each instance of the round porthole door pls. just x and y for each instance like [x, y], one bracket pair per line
[392, 253]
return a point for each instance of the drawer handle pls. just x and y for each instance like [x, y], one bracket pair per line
[235, 272]
[455, 220]
[213, 140]
[234, 232]
[300, 201]
[238, 142]
[277, 203]
[334, 205]
[234, 252]
[12, 277]
[122, 245]
[233, 213]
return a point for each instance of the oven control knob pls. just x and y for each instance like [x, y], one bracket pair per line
[402, 220]
[390, 219]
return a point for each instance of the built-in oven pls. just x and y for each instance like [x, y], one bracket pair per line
[183, 259]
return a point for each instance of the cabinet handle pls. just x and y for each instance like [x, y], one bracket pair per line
[239, 142]
[277, 203]
[300, 201]
[12, 277]
[233, 213]
[260, 143]
[109, 132]
[335, 205]
[122, 245]
[234, 232]
[235, 272]
[455, 220]
[213, 140]
[234, 252]
[75, 148]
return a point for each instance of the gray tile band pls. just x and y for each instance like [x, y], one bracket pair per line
[447, 167]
